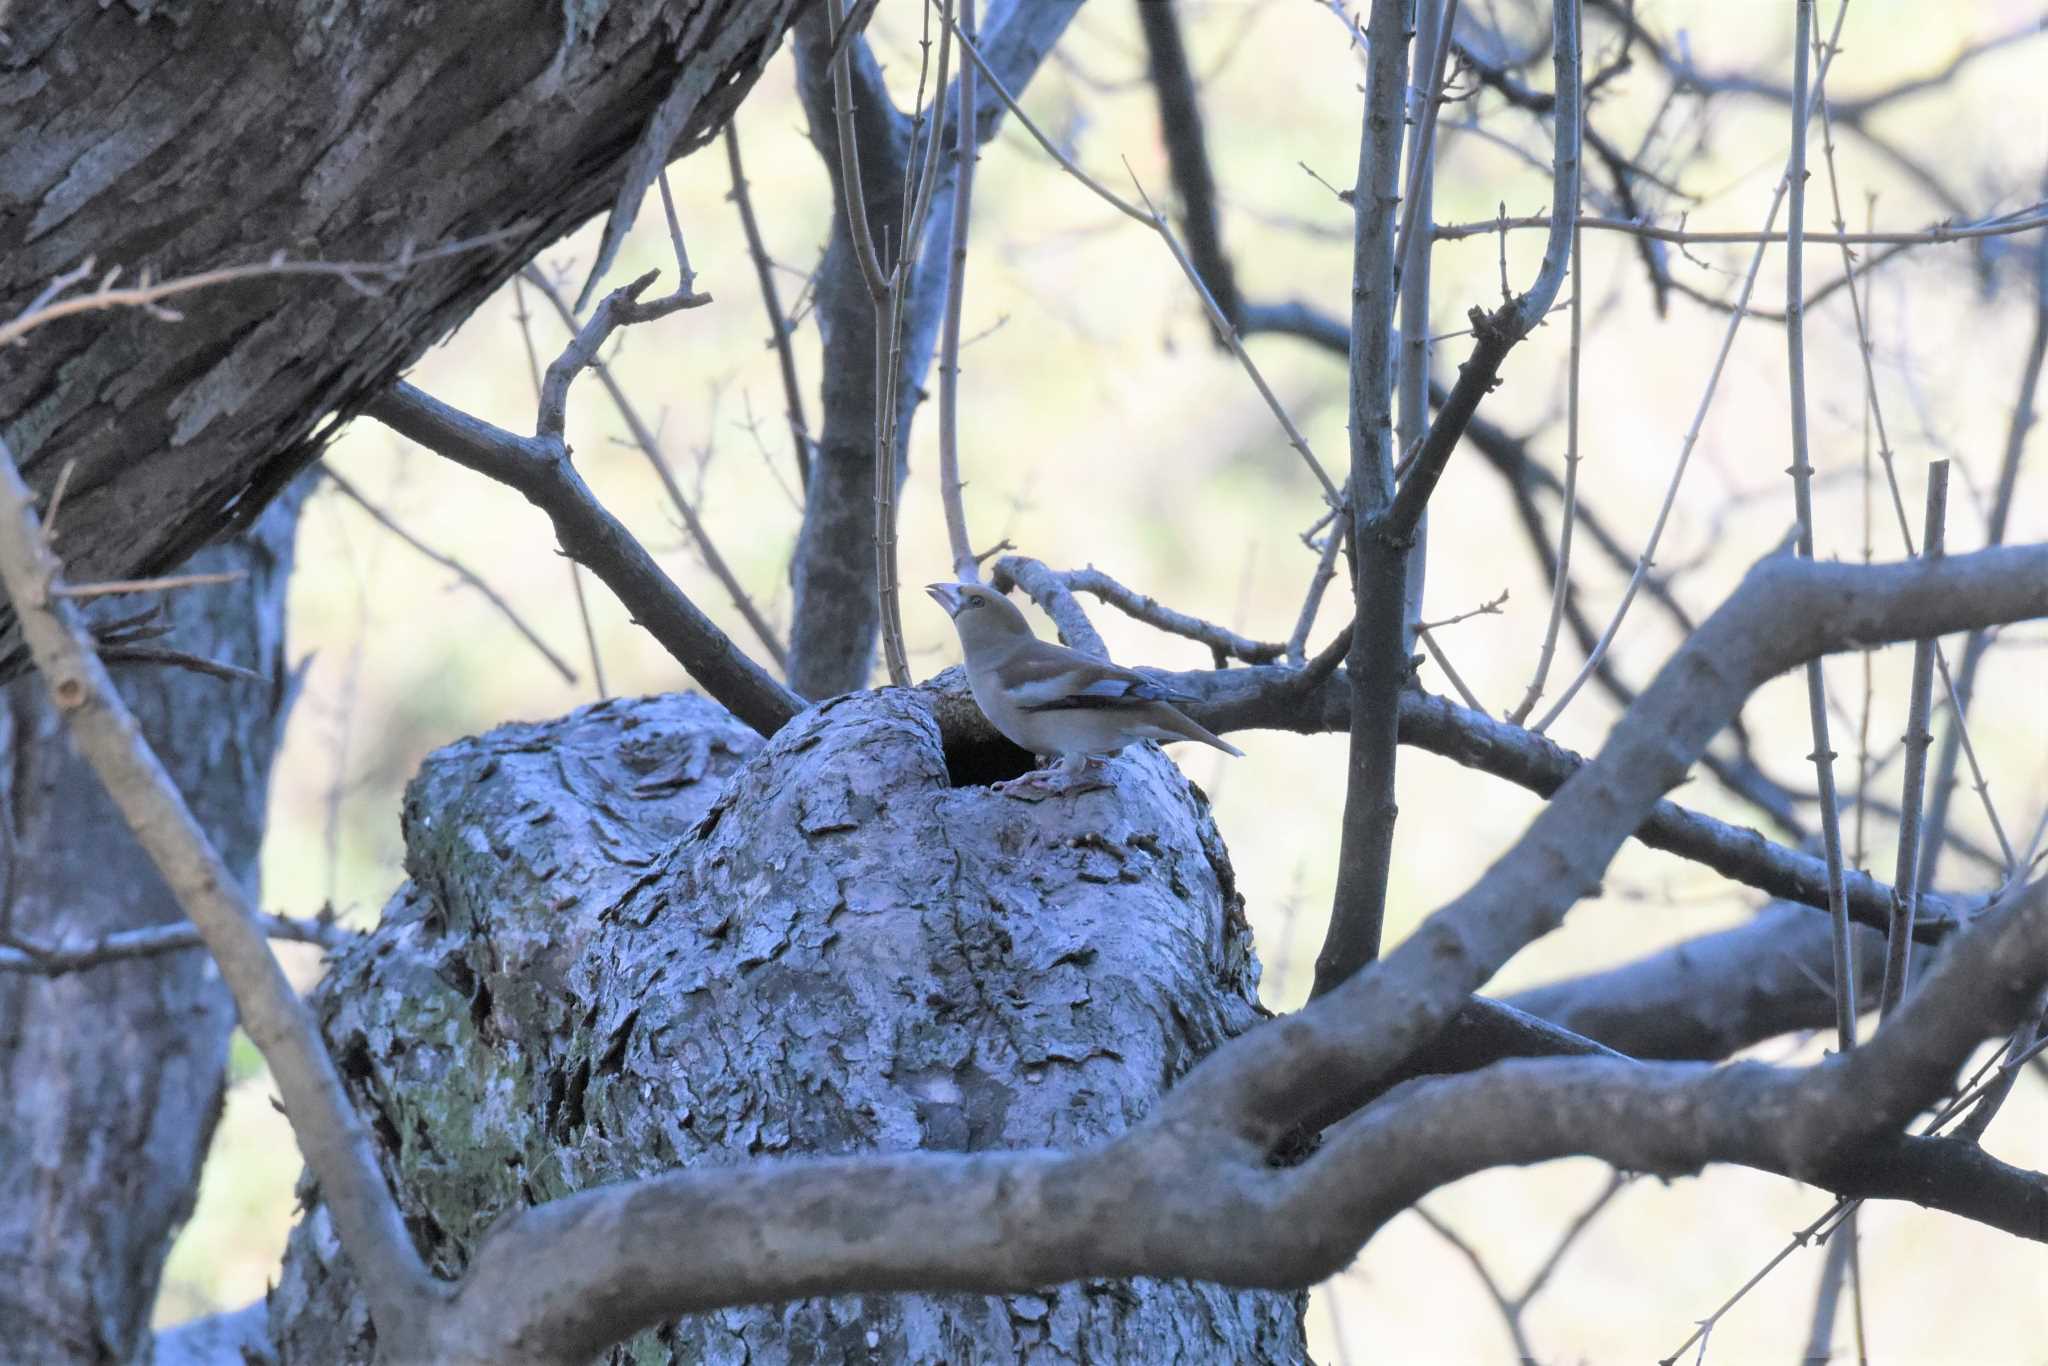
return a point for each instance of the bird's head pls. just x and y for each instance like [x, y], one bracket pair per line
[981, 615]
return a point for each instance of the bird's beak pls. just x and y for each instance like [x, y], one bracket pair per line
[946, 595]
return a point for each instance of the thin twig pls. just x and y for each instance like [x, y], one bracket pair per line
[1823, 756]
[1561, 582]
[1223, 643]
[966, 568]
[1957, 697]
[1977, 643]
[159, 585]
[1510, 1311]
[332, 1135]
[2001, 225]
[1490, 608]
[1151, 218]
[650, 447]
[60, 959]
[1692, 433]
[1319, 582]
[148, 295]
[57, 499]
[1906, 877]
[525, 317]
[771, 300]
[620, 308]
[182, 659]
[452, 565]
[1428, 639]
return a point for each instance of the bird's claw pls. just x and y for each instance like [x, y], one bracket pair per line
[1064, 781]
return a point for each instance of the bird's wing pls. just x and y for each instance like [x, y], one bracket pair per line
[1046, 677]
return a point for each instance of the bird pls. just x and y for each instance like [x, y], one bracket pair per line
[1053, 701]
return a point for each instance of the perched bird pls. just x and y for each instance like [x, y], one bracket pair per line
[1054, 701]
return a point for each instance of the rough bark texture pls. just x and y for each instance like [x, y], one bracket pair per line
[110, 1078]
[337, 132]
[640, 937]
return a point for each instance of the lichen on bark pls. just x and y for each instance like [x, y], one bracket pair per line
[640, 937]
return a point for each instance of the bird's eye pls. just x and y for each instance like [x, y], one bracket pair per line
[976, 600]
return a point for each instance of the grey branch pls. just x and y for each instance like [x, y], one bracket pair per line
[539, 468]
[1190, 1193]
[335, 1140]
[649, 444]
[452, 565]
[55, 960]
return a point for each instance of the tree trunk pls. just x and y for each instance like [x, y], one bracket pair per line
[640, 937]
[111, 1076]
[173, 137]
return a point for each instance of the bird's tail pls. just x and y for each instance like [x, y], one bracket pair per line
[1190, 729]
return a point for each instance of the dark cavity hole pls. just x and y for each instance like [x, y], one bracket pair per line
[983, 763]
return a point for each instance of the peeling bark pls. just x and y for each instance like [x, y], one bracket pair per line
[639, 938]
[111, 1077]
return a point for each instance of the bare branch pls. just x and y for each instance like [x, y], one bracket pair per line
[162, 584]
[181, 659]
[48, 307]
[452, 565]
[1223, 643]
[1178, 1196]
[1153, 219]
[1976, 644]
[620, 308]
[650, 446]
[1050, 592]
[540, 469]
[1692, 433]
[525, 318]
[1899, 939]
[771, 300]
[1379, 663]
[966, 566]
[56, 960]
[2000, 225]
[336, 1142]
[1823, 755]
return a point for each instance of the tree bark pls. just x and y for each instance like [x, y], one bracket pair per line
[357, 133]
[111, 1077]
[639, 938]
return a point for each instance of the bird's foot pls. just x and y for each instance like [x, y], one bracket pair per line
[1068, 779]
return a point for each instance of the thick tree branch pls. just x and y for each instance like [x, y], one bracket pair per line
[540, 469]
[1385, 518]
[1785, 612]
[1187, 157]
[1176, 1197]
[336, 1142]
[1378, 665]
[1712, 995]
[835, 617]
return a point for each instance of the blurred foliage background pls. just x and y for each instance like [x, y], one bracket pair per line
[1101, 426]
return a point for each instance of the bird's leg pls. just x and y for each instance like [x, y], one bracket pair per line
[1082, 772]
[1073, 773]
[1033, 784]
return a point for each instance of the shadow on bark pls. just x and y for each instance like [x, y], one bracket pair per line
[640, 938]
